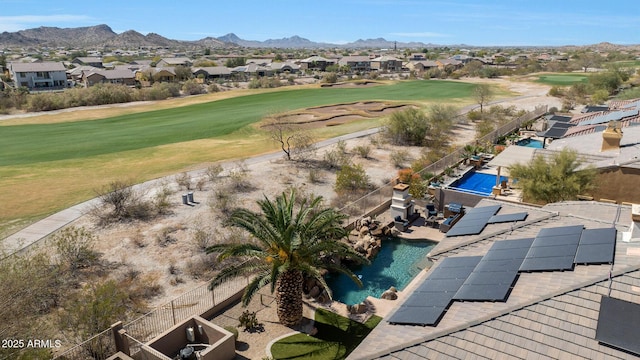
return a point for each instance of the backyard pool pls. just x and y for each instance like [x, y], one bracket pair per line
[397, 263]
[532, 143]
[476, 183]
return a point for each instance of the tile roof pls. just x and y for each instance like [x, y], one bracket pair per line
[37, 66]
[548, 315]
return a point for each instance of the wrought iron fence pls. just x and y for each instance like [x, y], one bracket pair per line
[150, 325]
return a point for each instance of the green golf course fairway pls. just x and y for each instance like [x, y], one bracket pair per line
[562, 79]
[48, 167]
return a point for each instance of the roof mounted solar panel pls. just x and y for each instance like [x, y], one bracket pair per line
[507, 218]
[428, 303]
[597, 246]
[619, 324]
[611, 116]
[494, 276]
[553, 249]
[474, 221]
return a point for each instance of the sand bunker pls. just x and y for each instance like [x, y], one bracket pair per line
[332, 115]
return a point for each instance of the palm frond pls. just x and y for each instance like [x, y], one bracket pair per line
[235, 250]
[254, 285]
[245, 268]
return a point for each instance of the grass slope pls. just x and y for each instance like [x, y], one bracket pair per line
[45, 167]
[29, 144]
[562, 79]
[337, 337]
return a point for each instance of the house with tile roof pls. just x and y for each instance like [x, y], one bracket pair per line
[386, 63]
[540, 313]
[317, 63]
[94, 61]
[174, 61]
[101, 76]
[357, 63]
[39, 76]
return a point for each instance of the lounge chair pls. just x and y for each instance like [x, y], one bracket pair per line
[430, 210]
[400, 224]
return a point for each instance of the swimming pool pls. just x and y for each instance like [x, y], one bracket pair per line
[397, 263]
[476, 183]
[532, 143]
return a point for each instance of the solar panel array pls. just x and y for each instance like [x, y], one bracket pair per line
[491, 277]
[619, 324]
[507, 218]
[554, 249]
[612, 116]
[496, 273]
[473, 221]
[597, 246]
[427, 304]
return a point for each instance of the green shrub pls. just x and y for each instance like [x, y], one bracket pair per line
[232, 330]
[351, 178]
[248, 320]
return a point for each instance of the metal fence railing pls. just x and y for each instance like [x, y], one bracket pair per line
[98, 347]
[358, 208]
[152, 324]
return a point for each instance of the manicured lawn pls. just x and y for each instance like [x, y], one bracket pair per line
[48, 166]
[337, 337]
[29, 144]
[562, 79]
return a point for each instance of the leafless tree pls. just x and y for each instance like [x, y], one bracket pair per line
[293, 139]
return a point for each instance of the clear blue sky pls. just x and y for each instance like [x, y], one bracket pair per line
[473, 22]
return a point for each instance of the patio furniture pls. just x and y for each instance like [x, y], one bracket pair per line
[400, 224]
[449, 222]
[430, 210]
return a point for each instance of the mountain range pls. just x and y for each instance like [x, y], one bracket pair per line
[101, 36]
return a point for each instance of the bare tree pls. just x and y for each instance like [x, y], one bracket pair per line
[293, 139]
[482, 94]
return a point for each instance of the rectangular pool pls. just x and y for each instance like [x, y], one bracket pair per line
[532, 143]
[476, 183]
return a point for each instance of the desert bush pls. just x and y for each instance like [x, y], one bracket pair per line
[239, 181]
[118, 201]
[213, 172]
[184, 180]
[363, 150]
[161, 203]
[351, 178]
[399, 157]
[75, 248]
[407, 127]
[201, 266]
[315, 176]
[330, 78]
[213, 88]
[192, 87]
[202, 238]
[166, 235]
[223, 202]
[99, 306]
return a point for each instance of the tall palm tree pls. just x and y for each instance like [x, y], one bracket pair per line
[292, 241]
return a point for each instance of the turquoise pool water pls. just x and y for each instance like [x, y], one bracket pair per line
[476, 183]
[532, 143]
[397, 263]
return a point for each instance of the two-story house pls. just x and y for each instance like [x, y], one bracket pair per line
[39, 76]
